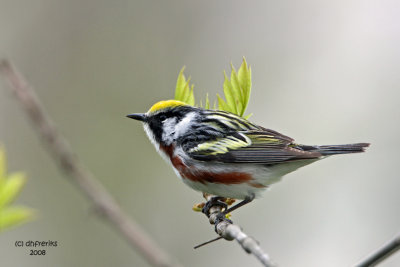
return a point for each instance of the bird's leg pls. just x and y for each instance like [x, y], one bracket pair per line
[214, 201]
[245, 201]
[222, 215]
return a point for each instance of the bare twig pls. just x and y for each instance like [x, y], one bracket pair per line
[382, 253]
[79, 174]
[230, 231]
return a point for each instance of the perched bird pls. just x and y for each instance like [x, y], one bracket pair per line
[225, 155]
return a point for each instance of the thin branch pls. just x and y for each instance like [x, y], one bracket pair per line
[230, 231]
[382, 253]
[59, 148]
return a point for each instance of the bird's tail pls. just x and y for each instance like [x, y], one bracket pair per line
[337, 149]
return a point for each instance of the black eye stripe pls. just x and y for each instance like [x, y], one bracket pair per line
[178, 114]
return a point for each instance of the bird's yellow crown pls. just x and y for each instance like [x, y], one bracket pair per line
[165, 104]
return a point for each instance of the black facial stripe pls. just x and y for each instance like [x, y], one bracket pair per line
[156, 127]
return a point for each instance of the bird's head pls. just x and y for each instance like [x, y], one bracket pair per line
[167, 120]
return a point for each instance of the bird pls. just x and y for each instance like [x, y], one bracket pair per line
[225, 155]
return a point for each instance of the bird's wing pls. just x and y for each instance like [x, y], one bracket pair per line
[260, 146]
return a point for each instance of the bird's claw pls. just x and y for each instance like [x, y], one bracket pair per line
[214, 201]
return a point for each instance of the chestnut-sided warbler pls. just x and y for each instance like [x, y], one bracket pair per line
[225, 155]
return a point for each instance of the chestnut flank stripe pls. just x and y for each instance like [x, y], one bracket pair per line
[217, 178]
[206, 176]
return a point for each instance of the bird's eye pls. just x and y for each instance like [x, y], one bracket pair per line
[163, 117]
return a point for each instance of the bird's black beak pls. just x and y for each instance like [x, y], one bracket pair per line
[138, 116]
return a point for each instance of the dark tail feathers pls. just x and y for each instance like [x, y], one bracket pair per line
[337, 149]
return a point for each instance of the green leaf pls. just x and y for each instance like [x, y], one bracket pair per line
[180, 85]
[244, 76]
[11, 187]
[230, 94]
[238, 91]
[248, 116]
[207, 106]
[183, 91]
[186, 91]
[14, 215]
[190, 99]
[222, 104]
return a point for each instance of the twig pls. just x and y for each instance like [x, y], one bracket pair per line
[382, 253]
[230, 231]
[79, 174]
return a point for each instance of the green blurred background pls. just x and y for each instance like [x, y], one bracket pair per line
[324, 72]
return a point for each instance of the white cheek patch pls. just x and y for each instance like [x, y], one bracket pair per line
[183, 126]
[168, 130]
[173, 130]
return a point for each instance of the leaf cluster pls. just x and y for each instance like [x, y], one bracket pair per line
[10, 186]
[237, 90]
[183, 91]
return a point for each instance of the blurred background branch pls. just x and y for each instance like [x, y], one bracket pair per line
[59, 148]
[382, 253]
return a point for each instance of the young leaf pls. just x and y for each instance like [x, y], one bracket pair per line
[238, 91]
[222, 104]
[183, 90]
[11, 187]
[230, 94]
[248, 116]
[14, 215]
[190, 99]
[180, 85]
[207, 106]
[244, 76]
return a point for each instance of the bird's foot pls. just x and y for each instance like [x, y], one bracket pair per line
[214, 201]
[198, 207]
